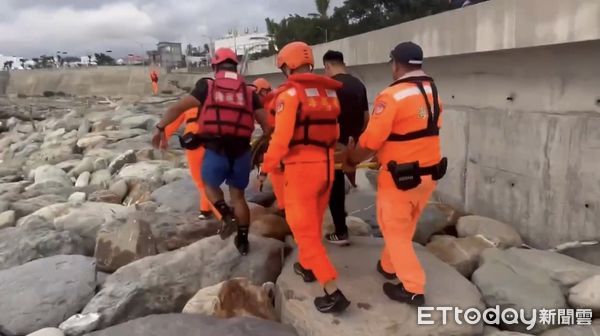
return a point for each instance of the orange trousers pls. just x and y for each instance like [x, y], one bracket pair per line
[194, 158]
[155, 88]
[278, 182]
[398, 213]
[306, 199]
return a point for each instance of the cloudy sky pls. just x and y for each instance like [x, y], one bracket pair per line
[29, 28]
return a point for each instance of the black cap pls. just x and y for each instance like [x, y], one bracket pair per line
[407, 53]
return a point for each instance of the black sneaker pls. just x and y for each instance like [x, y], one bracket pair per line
[205, 215]
[228, 226]
[307, 275]
[241, 240]
[398, 293]
[337, 239]
[335, 302]
[389, 276]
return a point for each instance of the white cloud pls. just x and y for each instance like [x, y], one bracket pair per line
[30, 28]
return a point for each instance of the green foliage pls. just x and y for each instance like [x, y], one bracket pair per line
[103, 59]
[353, 17]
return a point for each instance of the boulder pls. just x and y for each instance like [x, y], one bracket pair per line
[119, 188]
[83, 180]
[120, 161]
[502, 234]
[361, 204]
[180, 196]
[91, 141]
[165, 282]
[86, 165]
[140, 191]
[583, 330]
[78, 325]
[586, 253]
[19, 246]
[256, 211]
[460, 253]
[4, 206]
[52, 155]
[371, 312]
[51, 175]
[144, 122]
[77, 197]
[48, 290]
[271, 226]
[507, 281]
[105, 196]
[435, 218]
[48, 332]
[263, 198]
[196, 325]
[565, 270]
[586, 294]
[68, 165]
[491, 331]
[146, 170]
[175, 174]
[101, 178]
[100, 163]
[130, 242]
[356, 226]
[234, 298]
[7, 219]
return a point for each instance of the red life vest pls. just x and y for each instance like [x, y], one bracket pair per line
[228, 110]
[316, 120]
[154, 76]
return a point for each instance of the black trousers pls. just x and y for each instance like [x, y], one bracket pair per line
[337, 203]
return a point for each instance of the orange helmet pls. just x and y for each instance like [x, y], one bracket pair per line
[224, 54]
[295, 55]
[262, 84]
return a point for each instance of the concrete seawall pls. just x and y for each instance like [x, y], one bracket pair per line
[520, 82]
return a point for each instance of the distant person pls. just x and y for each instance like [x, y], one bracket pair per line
[154, 79]
[353, 118]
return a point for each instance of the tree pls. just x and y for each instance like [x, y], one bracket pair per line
[103, 59]
[322, 7]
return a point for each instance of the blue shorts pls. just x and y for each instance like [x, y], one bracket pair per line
[218, 168]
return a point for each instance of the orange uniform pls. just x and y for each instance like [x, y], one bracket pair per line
[400, 110]
[194, 157]
[154, 79]
[276, 176]
[306, 149]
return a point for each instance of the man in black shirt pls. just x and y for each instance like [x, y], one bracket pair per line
[353, 119]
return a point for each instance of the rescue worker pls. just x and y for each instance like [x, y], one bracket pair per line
[265, 92]
[404, 133]
[227, 110]
[305, 135]
[194, 156]
[154, 79]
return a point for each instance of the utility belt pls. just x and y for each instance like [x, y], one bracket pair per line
[231, 147]
[407, 176]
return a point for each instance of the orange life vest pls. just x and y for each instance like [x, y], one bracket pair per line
[227, 110]
[154, 76]
[319, 108]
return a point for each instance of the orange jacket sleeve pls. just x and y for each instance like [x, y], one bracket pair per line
[380, 123]
[286, 107]
[174, 126]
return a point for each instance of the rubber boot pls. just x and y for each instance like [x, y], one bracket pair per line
[228, 221]
[335, 302]
[241, 240]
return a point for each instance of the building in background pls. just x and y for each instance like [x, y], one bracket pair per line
[170, 55]
[247, 43]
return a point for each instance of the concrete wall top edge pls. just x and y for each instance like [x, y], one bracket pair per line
[490, 26]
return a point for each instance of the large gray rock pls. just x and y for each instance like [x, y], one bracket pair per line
[507, 281]
[48, 332]
[86, 165]
[175, 174]
[270, 226]
[196, 325]
[146, 170]
[51, 175]
[502, 234]
[7, 219]
[586, 294]
[460, 253]
[165, 282]
[52, 156]
[435, 218]
[180, 196]
[101, 178]
[4, 205]
[371, 312]
[565, 270]
[42, 293]
[120, 161]
[356, 226]
[83, 180]
[144, 122]
[119, 188]
[586, 253]
[140, 191]
[28, 206]
[18, 246]
[83, 219]
[584, 330]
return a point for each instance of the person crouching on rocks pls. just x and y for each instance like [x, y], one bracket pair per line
[228, 108]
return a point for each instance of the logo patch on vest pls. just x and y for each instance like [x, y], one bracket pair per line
[422, 113]
[279, 108]
[379, 108]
